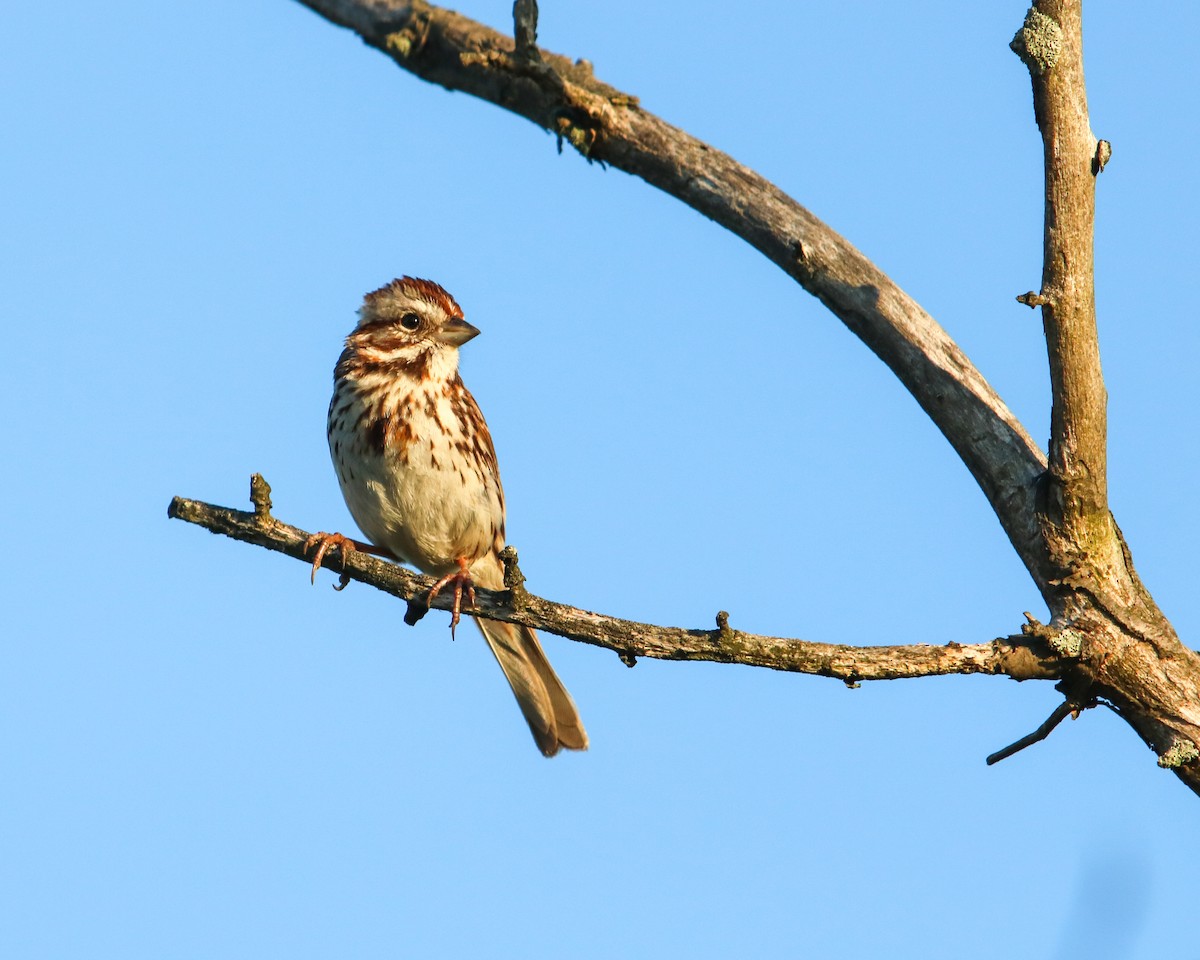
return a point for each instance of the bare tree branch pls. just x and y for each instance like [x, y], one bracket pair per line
[1129, 654]
[608, 126]
[1107, 640]
[1050, 42]
[1022, 657]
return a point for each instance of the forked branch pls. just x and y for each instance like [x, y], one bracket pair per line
[1107, 640]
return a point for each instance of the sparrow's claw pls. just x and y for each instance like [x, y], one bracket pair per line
[327, 542]
[462, 581]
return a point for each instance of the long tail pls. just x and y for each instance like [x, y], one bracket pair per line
[548, 708]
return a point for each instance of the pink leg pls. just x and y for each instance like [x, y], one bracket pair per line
[462, 580]
[336, 541]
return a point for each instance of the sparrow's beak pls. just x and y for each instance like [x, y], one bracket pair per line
[456, 332]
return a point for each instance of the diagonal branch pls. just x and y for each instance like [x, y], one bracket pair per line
[608, 126]
[1022, 657]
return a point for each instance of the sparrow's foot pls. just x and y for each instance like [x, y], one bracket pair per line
[324, 542]
[461, 579]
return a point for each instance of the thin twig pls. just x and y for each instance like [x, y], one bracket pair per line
[1061, 712]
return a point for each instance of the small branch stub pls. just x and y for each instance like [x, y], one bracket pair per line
[1038, 42]
[1032, 299]
[525, 19]
[514, 579]
[723, 624]
[260, 496]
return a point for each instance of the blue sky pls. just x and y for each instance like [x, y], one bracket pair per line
[203, 756]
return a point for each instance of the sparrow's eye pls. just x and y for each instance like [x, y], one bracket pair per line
[410, 321]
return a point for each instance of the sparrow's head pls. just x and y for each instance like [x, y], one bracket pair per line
[410, 328]
[412, 313]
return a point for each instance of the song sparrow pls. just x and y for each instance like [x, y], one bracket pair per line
[418, 471]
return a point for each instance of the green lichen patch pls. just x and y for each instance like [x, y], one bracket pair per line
[1181, 752]
[576, 128]
[1067, 643]
[1038, 41]
[400, 43]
